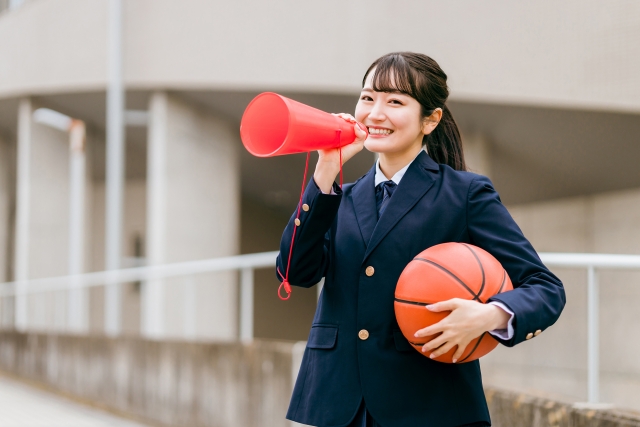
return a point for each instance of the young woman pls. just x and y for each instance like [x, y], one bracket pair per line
[358, 369]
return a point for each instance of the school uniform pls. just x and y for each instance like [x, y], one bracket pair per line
[358, 367]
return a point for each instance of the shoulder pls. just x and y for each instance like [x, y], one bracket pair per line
[462, 179]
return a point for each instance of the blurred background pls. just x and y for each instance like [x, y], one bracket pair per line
[137, 234]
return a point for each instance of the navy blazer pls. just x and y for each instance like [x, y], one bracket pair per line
[340, 236]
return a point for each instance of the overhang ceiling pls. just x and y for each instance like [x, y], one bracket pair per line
[536, 153]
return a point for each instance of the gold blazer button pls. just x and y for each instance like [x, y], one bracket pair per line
[369, 271]
[363, 334]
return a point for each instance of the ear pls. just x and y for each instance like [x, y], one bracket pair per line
[429, 123]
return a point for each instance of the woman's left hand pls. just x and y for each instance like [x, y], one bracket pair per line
[468, 320]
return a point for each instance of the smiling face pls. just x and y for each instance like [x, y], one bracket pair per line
[394, 121]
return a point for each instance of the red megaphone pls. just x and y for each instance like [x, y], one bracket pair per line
[273, 125]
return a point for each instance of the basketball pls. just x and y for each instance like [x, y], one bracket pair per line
[440, 273]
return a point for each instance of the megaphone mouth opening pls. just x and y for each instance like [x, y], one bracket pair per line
[265, 124]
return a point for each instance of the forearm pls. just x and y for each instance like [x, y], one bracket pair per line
[309, 257]
[325, 175]
[538, 297]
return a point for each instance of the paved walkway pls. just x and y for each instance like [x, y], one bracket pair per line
[25, 406]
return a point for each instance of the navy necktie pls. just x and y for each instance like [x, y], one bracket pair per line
[384, 191]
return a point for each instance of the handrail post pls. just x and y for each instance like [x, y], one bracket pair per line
[593, 344]
[115, 173]
[246, 304]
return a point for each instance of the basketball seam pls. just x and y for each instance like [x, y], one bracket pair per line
[475, 297]
[412, 302]
[474, 347]
[504, 280]
[481, 270]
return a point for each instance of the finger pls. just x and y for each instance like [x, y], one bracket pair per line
[360, 130]
[448, 305]
[435, 343]
[347, 117]
[432, 330]
[460, 351]
[442, 350]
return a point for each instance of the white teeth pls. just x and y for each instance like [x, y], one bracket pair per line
[374, 131]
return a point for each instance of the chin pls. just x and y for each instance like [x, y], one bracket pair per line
[375, 146]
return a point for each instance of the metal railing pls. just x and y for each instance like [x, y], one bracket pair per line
[246, 264]
[592, 262]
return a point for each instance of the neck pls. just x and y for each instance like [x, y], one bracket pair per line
[391, 163]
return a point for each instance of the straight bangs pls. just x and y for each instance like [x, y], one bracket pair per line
[392, 73]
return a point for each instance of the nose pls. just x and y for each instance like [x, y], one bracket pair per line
[377, 112]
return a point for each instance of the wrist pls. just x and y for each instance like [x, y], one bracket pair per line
[325, 175]
[498, 318]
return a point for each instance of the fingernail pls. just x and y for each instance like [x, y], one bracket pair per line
[361, 126]
[432, 356]
[455, 360]
[429, 307]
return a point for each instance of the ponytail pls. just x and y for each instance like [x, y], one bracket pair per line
[444, 144]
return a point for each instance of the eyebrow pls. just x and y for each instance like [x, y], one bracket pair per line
[367, 89]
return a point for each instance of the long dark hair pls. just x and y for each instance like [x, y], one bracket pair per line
[421, 78]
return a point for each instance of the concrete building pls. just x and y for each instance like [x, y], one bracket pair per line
[547, 96]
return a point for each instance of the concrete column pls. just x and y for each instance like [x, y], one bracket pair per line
[115, 169]
[42, 219]
[49, 223]
[477, 153]
[193, 193]
[6, 312]
[21, 251]
[77, 304]
[152, 298]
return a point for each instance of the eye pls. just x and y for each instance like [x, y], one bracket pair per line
[366, 98]
[396, 102]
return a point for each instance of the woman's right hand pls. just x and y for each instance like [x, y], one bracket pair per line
[328, 165]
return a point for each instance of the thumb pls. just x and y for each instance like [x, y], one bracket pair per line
[448, 305]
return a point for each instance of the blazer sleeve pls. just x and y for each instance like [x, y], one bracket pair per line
[538, 296]
[310, 255]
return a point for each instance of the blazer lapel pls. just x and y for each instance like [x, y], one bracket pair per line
[364, 203]
[415, 183]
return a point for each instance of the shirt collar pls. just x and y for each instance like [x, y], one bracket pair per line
[395, 178]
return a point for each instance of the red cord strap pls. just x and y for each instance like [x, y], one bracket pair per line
[285, 282]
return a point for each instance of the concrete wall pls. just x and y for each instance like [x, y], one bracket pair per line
[167, 383]
[510, 409]
[556, 360]
[133, 227]
[222, 385]
[502, 50]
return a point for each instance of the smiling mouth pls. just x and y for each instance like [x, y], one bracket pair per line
[374, 131]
